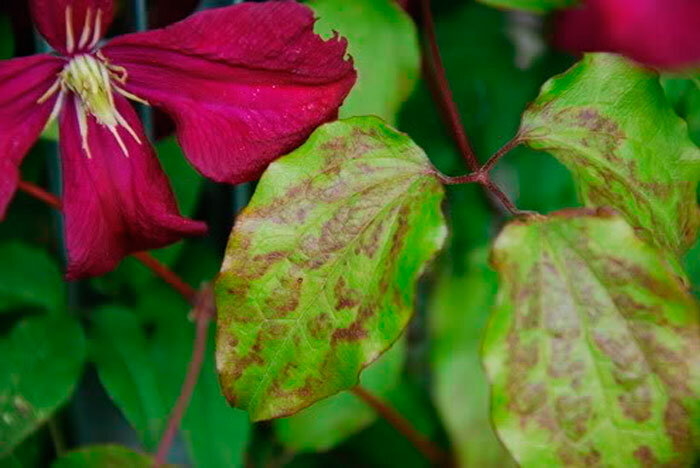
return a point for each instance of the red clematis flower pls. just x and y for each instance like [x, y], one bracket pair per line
[244, 84]
[660, 33]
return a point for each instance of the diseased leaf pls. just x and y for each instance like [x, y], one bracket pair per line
[121, 354]
[608, 120]
[383, 42]
[537, 6]
[320, 271]
[29, 278]
[329, 422]
[103, 456]
[41, 363]
[592, 347]
[460, 388]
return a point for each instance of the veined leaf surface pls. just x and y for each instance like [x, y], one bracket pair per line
[320, 270]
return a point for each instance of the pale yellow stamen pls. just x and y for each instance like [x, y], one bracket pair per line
[83, 126]
[87, 28]
[70, 40]
[50, 92]
[118, 137]
[98, 29]
[128, 95]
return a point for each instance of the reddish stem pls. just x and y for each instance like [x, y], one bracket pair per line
[430, 451]
[39, 193]
[167, 275]
[204, 311]
[444, 93]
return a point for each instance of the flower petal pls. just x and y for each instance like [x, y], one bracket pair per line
[23, 81]
[114, 205]
[89, 20]
[245, 84]
[661, 33]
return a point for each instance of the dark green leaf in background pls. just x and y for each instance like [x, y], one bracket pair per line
[320, 271]
[120, 351]
[383, 42]
[42, 360]
[458, 312]
[104, 456]
[7, 45]
[29, 278]
[684, 95]
[331, 421]
[609, 121]
[592, 348]
[537, 6]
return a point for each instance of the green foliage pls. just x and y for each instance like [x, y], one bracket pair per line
[103, 456]
[460, 388]
[536, 6]
[608, 120]
[383, 43]
[592, 348]
[42, 360]
[33, 279]
[320, 271]
[7, 45]
[120, 351]
[331, 421]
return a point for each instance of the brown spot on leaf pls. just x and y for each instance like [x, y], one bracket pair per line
[677, 422]
[346, 297]
[646, 457]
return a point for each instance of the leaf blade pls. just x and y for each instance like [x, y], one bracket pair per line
[590, 348]
[294, 260]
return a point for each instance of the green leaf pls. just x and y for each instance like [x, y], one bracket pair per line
[103, 456]
[592, 347]
[608, 120]
[42, 360]
[460, 388]
[383, 42]
[331, 421]
[537, 6]
[216, 434]
[120, 352]
[320, 271]
[7, 45]
[29, 278]
[684, 95]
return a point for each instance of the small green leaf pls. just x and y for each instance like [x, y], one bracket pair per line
[460, 388]
[29, 277]
[684, 95]
[331, 421]
[42, 360]
[608, 120]
[320, 271]
[536, 6]
[383, 42]
[120, 351]
[103, 456]
[592, 347]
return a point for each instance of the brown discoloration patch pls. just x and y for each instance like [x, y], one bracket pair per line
[677, 422]
[573, 414]
[284, 299]
[346, 297]
[319, 326]
[356, 330]
[646, 457]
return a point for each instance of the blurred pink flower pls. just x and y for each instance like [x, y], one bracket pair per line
[660, 33]
[244, 84]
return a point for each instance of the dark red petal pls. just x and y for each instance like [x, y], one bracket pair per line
[245, 84]
[50, 19]
[661, 33]
[114, 205]
[23, 81]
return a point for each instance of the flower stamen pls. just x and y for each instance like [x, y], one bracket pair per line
[50, 92]
[85, 36]
[70, 40]
[97, 34]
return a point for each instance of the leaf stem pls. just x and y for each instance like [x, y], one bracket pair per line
[204, 311]
[430, 451]
[435, 67]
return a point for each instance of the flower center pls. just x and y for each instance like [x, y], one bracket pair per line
[89, 79]
[92, 81]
